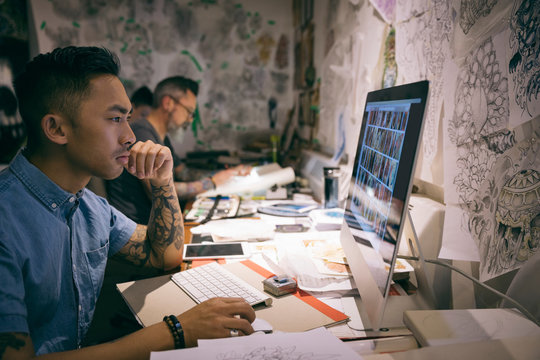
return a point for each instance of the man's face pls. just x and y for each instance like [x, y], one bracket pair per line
[182, 114]
[100, 136]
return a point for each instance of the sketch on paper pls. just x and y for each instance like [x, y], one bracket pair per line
[524, 64]
[422, 47]
[472, 10]
[504, 215]
[496, 178]
[481, 97]
[276, 352]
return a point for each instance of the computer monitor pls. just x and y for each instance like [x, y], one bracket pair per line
[376, 208]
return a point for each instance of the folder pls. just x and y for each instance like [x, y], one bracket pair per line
[151, 299]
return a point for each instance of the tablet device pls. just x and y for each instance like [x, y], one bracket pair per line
[215, 251]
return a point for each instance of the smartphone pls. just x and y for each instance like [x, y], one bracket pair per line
[215, 251]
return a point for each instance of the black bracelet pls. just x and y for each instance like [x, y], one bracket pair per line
[176, 331]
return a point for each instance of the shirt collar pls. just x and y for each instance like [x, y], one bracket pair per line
[48, 192]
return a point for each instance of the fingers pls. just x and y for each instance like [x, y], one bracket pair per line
[215, 318]
[242, 325]
[147, 160]
[238, 306]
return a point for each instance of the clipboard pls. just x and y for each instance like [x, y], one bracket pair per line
[151, 299]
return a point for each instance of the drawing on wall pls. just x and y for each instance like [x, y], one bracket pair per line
[492, 166]
[422, 47]
[471, 10]
[481, 97]
[275, 352]
[524, 63]
[504, 214]
[227, 46]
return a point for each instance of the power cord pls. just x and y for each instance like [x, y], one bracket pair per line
[520, 307]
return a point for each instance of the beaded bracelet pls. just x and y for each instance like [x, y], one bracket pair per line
[176, 331]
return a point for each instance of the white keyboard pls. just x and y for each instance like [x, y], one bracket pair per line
[212, 280]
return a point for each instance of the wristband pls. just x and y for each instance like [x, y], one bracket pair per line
[176, 331]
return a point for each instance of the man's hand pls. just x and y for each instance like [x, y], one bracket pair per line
[224, 175]
[151, 161]
[215, 318]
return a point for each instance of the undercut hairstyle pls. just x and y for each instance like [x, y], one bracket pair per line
[58, 82]
[142, 96]
[175, 86]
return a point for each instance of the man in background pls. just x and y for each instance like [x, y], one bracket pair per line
[141, 100]
[174, 103]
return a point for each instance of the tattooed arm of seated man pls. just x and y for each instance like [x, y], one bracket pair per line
[158, 244]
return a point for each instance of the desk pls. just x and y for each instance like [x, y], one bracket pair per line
[151, 299]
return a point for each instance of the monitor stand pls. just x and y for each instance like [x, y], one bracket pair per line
[423, 299]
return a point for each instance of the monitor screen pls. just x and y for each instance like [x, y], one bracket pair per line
[380, 185]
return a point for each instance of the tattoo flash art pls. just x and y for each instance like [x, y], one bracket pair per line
[524, 65]
[472, 10]
[504, 215]
[481, 97]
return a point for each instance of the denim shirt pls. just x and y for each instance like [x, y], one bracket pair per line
[53, 251]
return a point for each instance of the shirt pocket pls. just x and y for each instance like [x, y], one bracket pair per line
[97, 260]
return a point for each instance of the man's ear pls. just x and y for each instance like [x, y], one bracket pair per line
[167, 103]
[53, 127]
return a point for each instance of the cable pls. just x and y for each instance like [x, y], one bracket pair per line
[520, 307]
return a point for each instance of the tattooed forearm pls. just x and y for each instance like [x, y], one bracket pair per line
[165, 227]
[10, 340]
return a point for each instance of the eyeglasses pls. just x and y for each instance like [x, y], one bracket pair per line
[189, 111]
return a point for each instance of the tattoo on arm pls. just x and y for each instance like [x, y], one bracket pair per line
[137, 250]
[166, 225]
[11, 340]
[148, 244]
[188, 190]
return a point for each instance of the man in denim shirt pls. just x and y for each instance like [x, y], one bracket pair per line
[56, 236]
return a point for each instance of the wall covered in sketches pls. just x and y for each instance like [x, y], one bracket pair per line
[482, 128]
[239, 51]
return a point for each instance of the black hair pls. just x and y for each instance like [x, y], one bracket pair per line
[172, 86]
[57, 83]
[142, 96]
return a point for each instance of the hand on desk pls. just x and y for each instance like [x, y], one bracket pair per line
[215, 318]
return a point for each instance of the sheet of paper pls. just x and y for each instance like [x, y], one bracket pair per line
[422, 45]
[299, 254]
[236, 230]
[314, 344]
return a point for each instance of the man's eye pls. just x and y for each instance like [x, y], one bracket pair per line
[117, 119]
